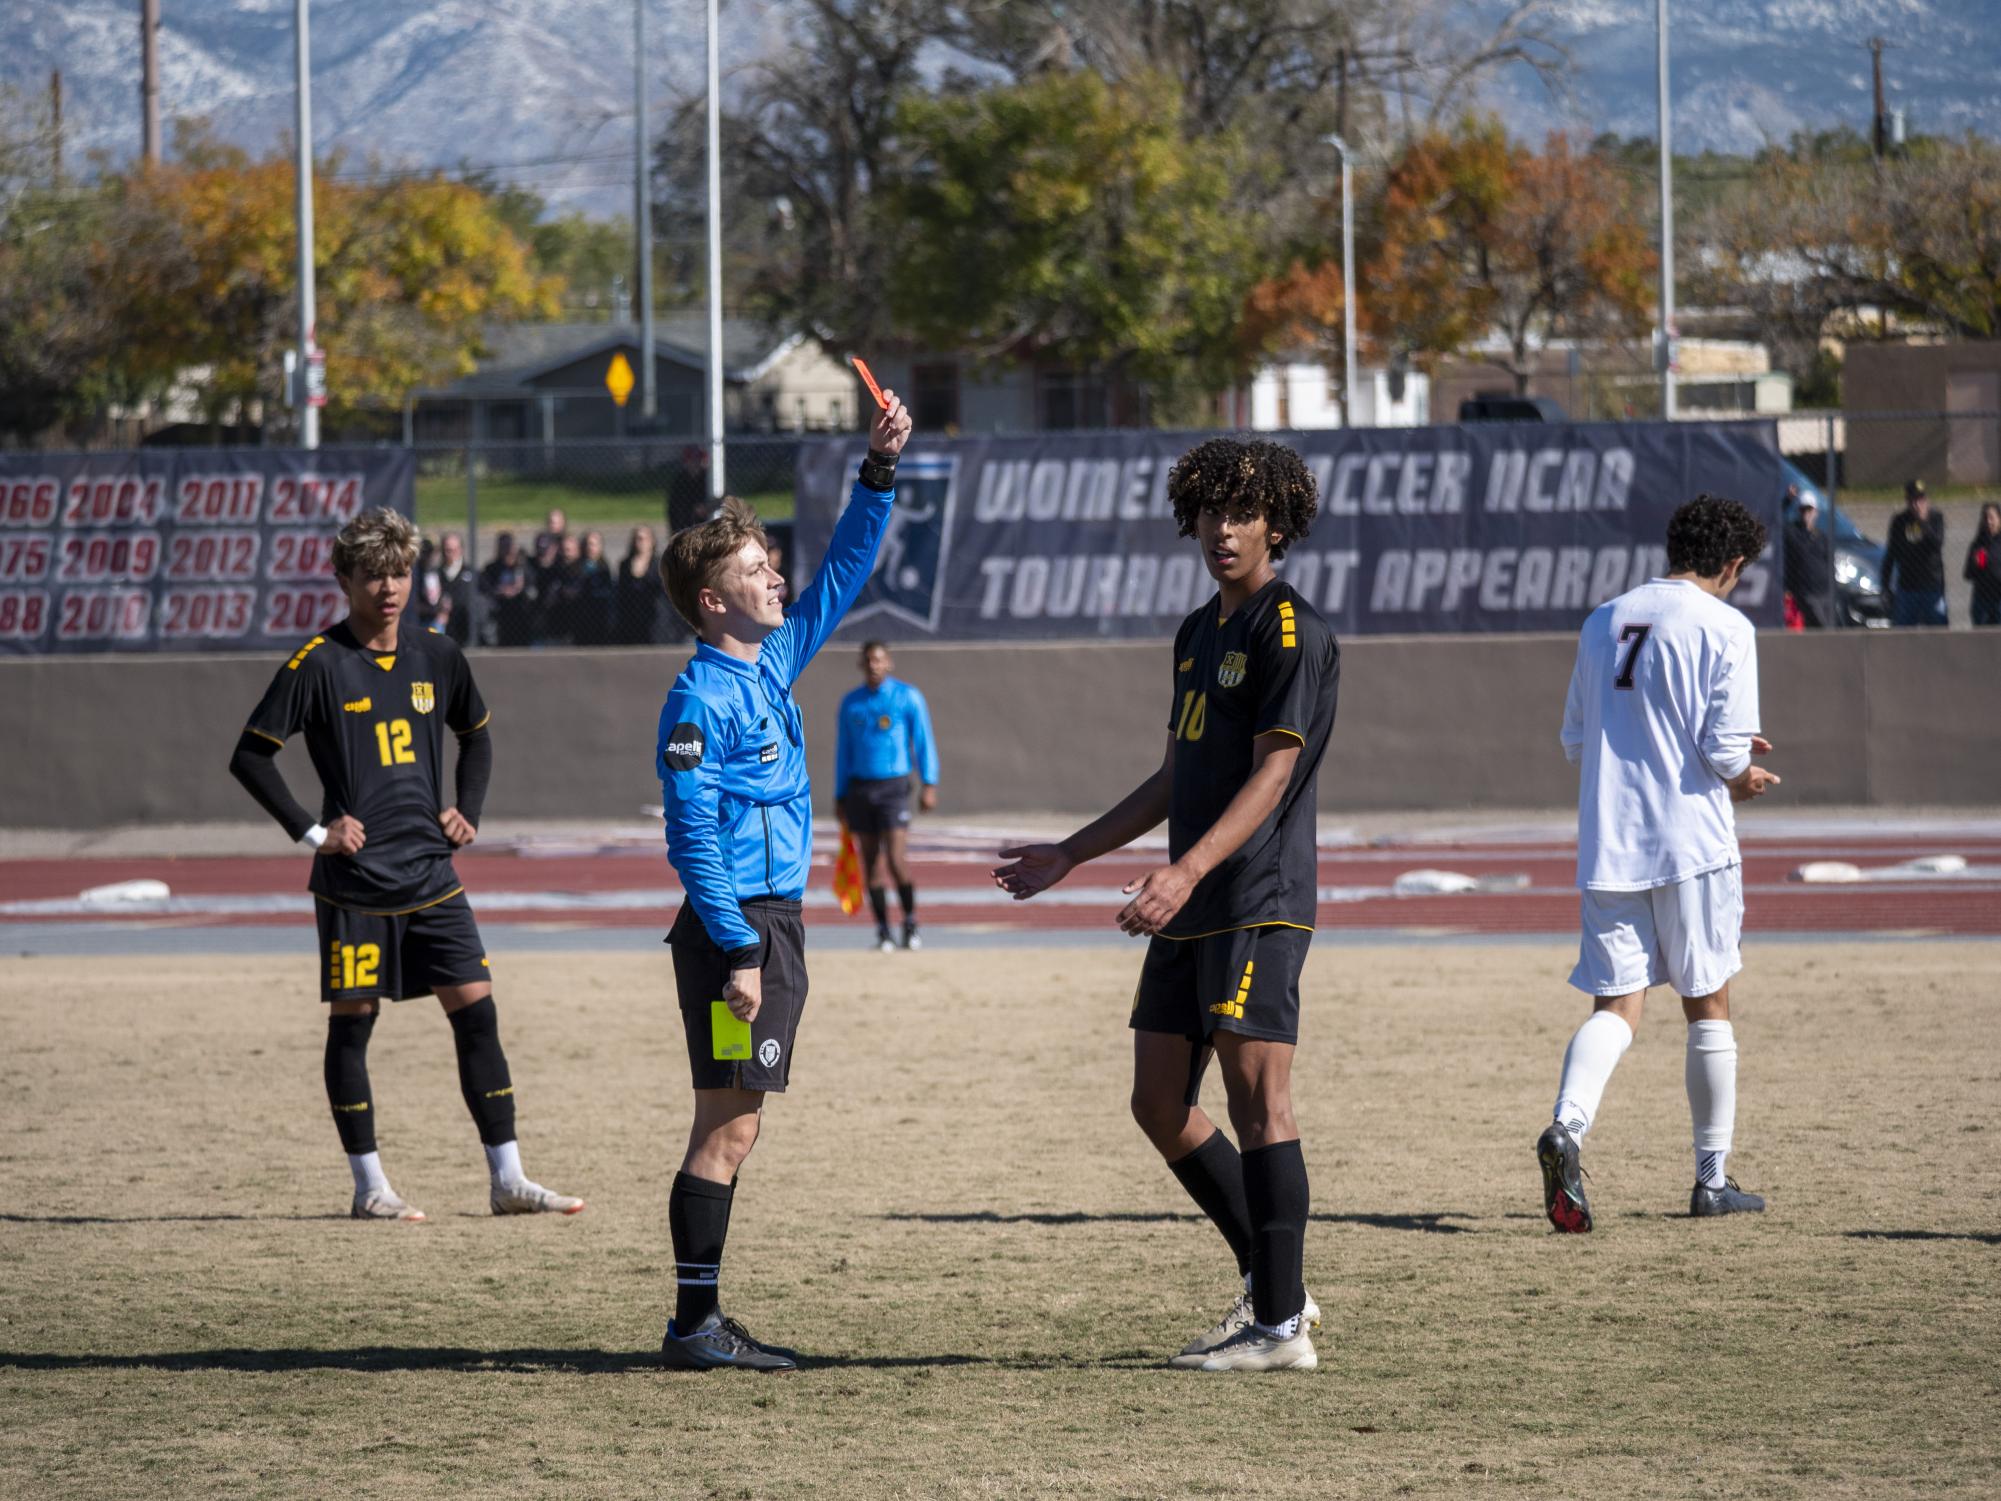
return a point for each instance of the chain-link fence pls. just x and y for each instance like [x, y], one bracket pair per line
[1907, 525]
[558, 543]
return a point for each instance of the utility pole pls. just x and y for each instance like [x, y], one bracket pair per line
[1879, 123]
[1347, 285]
[716, 486]
[642, 216]
[56, 121]
[1666, 353]
[149, 80]
[310, 390]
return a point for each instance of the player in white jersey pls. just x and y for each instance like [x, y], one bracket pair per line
[1662, 722]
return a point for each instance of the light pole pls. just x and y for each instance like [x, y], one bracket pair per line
[309, 414]
[642, 215]
[716, 487]
[1667, 340]
[1347, 285]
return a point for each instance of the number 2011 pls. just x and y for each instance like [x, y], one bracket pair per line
[392, 740]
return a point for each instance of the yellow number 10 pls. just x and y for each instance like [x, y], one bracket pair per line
[392, 738]
[1194, 714]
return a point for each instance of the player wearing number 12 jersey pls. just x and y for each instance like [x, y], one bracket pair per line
[1255, 677]
[1662, 722]
[375, 697]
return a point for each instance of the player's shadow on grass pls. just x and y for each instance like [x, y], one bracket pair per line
[368, 1359]
[1980, 1237]
[162, 1219]
[1429, 1224]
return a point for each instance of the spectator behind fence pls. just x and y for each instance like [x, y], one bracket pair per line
[1983, 566]
[638, 599]
[444, 588]
[1809, 562]
[688, 502]
[508, 583]
[594, 593]
[555, 527]
[562, 593]
[1914, 561]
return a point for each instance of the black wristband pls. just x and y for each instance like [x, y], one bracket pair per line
[744, 958]
[878, 470]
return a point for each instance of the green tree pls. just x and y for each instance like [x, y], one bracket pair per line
[1074, 219]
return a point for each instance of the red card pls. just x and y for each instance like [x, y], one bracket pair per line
[861, 369]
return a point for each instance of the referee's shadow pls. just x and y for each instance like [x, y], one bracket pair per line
[1429, 1224]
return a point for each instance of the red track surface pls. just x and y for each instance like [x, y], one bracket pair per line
[955, 890]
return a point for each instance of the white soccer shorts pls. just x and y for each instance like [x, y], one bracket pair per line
[1684, 934]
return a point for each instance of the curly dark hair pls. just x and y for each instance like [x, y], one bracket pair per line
[1704, 534]
[1245, 478]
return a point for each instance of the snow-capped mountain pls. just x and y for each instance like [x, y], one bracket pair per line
[544, 87]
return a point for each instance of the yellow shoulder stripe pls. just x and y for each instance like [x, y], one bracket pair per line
[303, 652]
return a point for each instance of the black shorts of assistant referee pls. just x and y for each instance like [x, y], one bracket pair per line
[399, 955]
[1244, 981]
[701, 970]
[877, 806]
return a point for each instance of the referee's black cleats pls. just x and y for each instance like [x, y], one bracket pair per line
[1563, 1181]
[721, 1343]
[1705, 1203]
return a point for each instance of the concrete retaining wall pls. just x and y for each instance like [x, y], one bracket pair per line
[1425, 723]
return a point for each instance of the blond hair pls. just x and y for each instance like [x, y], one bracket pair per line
[695, 556]
[381, 544]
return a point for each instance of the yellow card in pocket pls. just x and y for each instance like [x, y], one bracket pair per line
[728, 1037]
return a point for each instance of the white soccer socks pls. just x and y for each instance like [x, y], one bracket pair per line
[1595, 1050]
[367, 1170]
[503, 1165]
[1712, 1096]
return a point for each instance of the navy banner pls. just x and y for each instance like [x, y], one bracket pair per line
[1494, 527]
[181, 549]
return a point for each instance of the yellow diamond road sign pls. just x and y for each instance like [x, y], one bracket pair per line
[619, 378]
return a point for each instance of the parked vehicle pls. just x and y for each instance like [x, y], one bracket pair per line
[1510, 409]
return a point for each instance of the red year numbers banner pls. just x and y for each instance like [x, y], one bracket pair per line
[184, 549]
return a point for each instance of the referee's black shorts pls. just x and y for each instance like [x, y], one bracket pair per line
[701, 970]
[877, 805]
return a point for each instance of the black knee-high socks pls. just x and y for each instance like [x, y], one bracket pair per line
[483, 1076]
[1276, 1193]
[698, 1219]
[348, 1092]
[1213, 1174]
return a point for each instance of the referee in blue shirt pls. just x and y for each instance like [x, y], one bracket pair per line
[885, 731]
[732, 763]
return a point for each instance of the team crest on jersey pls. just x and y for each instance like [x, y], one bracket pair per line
[1232, 670]
[882, 721]
[423, 698]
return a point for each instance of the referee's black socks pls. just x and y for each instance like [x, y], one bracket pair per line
[1275, 1190]
[1213, 1174]
[483, 1076]
[878, 903]
[698, 1219]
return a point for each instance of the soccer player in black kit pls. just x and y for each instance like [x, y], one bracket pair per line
[1229, 918]
[375, 696]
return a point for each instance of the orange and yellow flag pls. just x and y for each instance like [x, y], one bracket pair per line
[848, 875]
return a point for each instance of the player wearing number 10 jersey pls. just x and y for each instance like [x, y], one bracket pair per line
[375, 697]
[1255, 678]
[1662, 722]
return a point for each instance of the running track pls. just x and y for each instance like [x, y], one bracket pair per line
[626, 883]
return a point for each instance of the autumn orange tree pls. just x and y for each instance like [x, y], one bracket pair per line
[203, 274]
[1479, 234]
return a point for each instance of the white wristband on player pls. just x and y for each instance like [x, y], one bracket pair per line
[315, 836]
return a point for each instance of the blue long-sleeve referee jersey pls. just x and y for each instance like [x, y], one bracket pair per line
[882, 732]
[732, 747]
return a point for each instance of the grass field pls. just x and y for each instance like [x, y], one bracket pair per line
[953, 1214]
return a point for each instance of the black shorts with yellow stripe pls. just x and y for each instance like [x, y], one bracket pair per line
[398, 956]
[1244, 981]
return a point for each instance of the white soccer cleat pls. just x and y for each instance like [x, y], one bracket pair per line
[1241, 1316]
[532, 1198]
[1251, 1349]
[383, 1204]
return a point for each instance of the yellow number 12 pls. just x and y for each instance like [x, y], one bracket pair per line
[392, 739]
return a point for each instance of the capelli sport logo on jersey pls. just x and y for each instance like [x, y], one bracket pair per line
[684, 747]
[1231, 672]
[767, 753]
[423, 697]
[359, 705]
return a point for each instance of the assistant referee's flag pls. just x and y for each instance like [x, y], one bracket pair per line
[848, 875]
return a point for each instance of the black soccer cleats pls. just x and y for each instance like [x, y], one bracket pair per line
[1705, 1202]
[721, 1343]
[1562, 1181]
